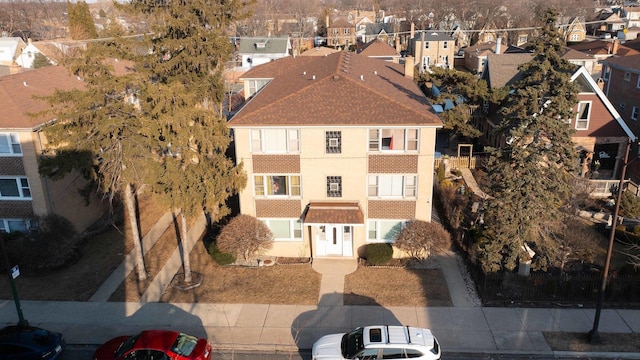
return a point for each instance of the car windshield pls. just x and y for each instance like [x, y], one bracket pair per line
[184, 344]
[352, 343]
[126, 345]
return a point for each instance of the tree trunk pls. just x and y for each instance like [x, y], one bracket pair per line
[131, 211]
[185, 249]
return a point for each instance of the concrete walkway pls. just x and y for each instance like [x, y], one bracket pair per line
[332, 284]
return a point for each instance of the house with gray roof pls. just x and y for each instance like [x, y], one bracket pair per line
[255, 51]
[432, 48]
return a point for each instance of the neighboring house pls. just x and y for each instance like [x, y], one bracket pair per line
[621, 77]
[260, 50]
[582, 59]
[461, 37]
[607, 22]
[28, 54]
[475, 57]
[431, 48]
[377, 31]
[339, 153]
[600, 130]
[24, 194]
[341, 33]
[361, 27]
[379, 49]
[574, 32]
[319, 51]
[488, 34]
[10, 49]
[599, 49]
[631, 14]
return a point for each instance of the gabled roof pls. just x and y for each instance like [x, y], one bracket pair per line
[378, 48]
[432, 36]
[12, 46]
[264, 45]
[342, 89]
[17, 92]
[502, 70]
[584, 74]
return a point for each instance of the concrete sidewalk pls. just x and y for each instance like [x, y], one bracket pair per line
[293, 327]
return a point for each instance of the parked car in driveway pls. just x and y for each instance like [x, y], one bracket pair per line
[378, 342]
[155, 345]
[29, 343]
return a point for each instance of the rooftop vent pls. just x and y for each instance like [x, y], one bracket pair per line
[313, 77]
[336, 77]
[362, 77]
[375, 72]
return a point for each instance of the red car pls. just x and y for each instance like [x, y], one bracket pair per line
[155, 345]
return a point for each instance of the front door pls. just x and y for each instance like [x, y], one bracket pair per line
[334, 240]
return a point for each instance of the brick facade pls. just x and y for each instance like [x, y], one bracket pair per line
[11, 166]
[16, 209]
[394, 209]
[393, 164]
[282, 164]
[267, 208]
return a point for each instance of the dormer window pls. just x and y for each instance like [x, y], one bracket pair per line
[584, 112]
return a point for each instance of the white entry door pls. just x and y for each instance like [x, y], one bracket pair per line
[334, 240]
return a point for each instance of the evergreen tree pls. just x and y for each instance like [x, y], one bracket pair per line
[151, 108]
[531, 175]
[39, 61]
[81, 25]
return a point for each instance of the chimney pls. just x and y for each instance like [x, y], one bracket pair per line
[413, 30]
[408, 66]
[498, 45]
[615, 46]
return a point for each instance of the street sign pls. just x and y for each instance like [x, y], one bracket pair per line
[15, 272]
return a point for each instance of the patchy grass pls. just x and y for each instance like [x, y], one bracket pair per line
[396, 287]
[277, 284]
[578, 342]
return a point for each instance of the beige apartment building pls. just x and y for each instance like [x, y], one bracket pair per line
[339, 152]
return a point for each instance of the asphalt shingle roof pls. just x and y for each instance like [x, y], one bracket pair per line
[17, 95]
[339, 89]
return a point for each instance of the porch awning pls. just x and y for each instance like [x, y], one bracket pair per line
[320, 213]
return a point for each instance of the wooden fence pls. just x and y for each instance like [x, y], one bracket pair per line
[458, 162]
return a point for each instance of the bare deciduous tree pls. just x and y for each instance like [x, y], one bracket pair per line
[420, 238]
[245, 235]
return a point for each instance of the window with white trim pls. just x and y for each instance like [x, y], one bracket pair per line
[384, 230]
[627, 76]
[575, 37]
[399, 186]
[606, 71]
[11, 225]
[584, 112]
[634, 113]
[256, 85]
[14, 188]
[638, 84]
[393, 139]
[285, 229]
[10, 144]
[277, 185]
[275, 141]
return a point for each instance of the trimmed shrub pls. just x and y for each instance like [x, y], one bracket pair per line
[378, 253]
[245, 236]
[219, 257]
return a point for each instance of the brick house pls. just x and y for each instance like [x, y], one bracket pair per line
[339, 152]
[24, 194]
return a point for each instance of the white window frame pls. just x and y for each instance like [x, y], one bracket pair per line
[260, 143]
[263, 185]
[13, 147]
[392, 186]
[575, 37]
[606, 71]
[634, 113]
[375, 228]
[23, 188]
[408, 139]
[627, 76]
[295, 228]
[580, 120]
[6, 227]
[638, 83]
